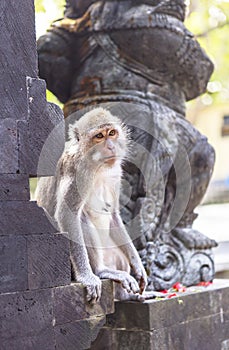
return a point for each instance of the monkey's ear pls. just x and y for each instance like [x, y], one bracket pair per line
[73, 133]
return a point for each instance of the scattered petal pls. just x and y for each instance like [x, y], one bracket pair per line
[204, 284]
[178, 287]
[164, 291]
[172, 295]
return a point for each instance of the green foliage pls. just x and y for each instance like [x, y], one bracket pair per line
[46, 12]
[209, 21]
[39, 6]
[52, 98]
[44, 5]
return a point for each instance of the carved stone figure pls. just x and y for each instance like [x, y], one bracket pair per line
[136, 58]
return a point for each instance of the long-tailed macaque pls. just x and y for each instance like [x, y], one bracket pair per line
[83, 198]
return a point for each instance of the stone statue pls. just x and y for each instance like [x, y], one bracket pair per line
[136, 58]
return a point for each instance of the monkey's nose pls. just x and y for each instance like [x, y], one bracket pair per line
[110, 145]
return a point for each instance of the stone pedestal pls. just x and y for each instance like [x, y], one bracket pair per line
[192, 321]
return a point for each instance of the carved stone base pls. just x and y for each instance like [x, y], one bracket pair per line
[168, 263]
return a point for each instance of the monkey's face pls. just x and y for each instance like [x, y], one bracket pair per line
[107, 145]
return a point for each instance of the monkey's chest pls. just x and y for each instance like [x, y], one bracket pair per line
[100, 206]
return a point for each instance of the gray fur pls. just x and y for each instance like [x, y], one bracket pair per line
[76, 197]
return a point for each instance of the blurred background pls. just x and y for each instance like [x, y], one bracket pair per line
[208, 20]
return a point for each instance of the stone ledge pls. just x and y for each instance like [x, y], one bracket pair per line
[195, 320]
[67, 296]
[35, 320]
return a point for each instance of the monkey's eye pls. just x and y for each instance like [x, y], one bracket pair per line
[112, 132]
[99, 136]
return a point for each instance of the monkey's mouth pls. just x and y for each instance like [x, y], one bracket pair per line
[110, 159]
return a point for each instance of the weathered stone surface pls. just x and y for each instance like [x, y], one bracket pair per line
[20, 217]
[203, 333]
[18, 40]
[123, 340]
[45, 131]
[198, 320]
[8, 146]
[13, 263]
[13, 95]
[23, 146]
[154, 314]
[70, 303]
[14, 187]
[78, 335]
[48, 261]
[25, 315]
[18, 59]
[44, 340]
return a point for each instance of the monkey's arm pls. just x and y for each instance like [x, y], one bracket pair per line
[68, 215]
[123, 240]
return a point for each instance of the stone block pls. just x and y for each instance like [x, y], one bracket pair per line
[44, 340]
[48, 261]
[14, 187]
[119, 339]
[205, 333]
[8, 146]
[78, 335]
[70, 303]
[25, 314]
[46, 131]
[18, 38]
[154, 314]
[194, 320]
[21, 217]
[13, 94]
[13, 263]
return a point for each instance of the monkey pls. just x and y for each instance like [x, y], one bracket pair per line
[83, 198]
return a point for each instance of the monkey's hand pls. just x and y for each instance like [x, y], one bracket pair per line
[140, 275]
[93, 286]
[128, 282]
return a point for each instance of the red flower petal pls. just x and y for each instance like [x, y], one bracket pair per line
[172, 295]
[179, 287]
[204, 284]
[164, 291]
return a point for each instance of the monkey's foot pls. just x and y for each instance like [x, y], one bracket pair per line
[147, 295]
[127, 282]
[193, 239]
